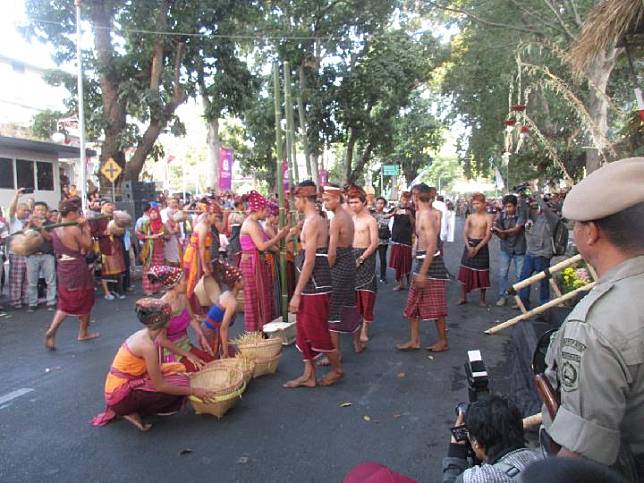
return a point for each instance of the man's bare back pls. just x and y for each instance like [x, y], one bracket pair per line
[427, 227]
[314, 223]
[345, 228]
[362, 224]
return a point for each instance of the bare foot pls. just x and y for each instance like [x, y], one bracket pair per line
[331, 378]
[358, 346]
[89, 336]
[300, 382]
[439, 346]
[461, 302]
[49, 342]
[135, 419]
[408, 346]
[397, 288]
[324, 361]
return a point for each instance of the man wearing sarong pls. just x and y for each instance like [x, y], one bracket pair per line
[427, 298]
[474, 272]
[344, 317]
[75, 276]
[310, 299]
[401, 231]
[112, 256]
[196, 258]
[137, 384]
[365, 244]
[258, 286]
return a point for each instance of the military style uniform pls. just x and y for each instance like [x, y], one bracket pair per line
[596, 362]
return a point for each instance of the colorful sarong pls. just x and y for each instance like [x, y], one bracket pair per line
[400, 260]
[366, 284]
[177, 333]
[75, 279]
[193, 270]
[344, 316]
[428, 302]
[258, 291]
[475, 272]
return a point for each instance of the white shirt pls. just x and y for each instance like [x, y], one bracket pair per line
[442, 207]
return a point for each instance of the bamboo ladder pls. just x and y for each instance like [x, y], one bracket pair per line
[548, 273]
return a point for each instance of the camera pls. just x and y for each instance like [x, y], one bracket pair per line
[477, 376]
[521, 187]
[26, 191]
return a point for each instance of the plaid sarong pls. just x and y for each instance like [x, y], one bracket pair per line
[320, 281]
[400, 259]
[480, 261]
[428, 302]
[475, 272]
[258, 291]
[17, 279]
[366, 273]
[343, 311]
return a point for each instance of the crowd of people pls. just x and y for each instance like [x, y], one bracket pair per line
[333, 239]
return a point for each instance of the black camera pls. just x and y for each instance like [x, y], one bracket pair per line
[477, 377]
[521, 187]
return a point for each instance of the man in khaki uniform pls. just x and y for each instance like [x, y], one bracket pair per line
[596, 360]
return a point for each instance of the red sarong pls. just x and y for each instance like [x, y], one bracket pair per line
[312, 326]
[428, 302]
[258, 290]
[75, 302]
[400, 260]
[473, 279]
[366, 301]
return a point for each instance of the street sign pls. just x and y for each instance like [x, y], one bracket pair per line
[111, 170]
[391, 170]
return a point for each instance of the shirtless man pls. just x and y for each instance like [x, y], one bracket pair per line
[365, 244]
[75, 276]
[344, 317]
[310, 299]
[427, 298]
[475, 264]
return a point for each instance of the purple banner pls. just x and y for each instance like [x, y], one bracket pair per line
[225, 169]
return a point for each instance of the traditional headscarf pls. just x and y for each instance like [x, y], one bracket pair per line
[333, 191]
[273, 208]
[153, 313]
[227, 274]
[165, 275]
[353, 191]
[157, 223]
[305, 191]
[206, 205]
[256, 202]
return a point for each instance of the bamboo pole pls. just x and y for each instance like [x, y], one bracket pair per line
[292, 176]
[280, 186]
[532, 421]
[311, 168]
[539, 310]
[290, 123]
[541, 275]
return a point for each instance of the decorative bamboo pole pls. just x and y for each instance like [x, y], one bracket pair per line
[311, 166]
[288, 111]
[280, 186]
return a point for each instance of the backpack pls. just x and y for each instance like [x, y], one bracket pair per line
[560, 238]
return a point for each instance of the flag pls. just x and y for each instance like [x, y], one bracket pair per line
[498, 179]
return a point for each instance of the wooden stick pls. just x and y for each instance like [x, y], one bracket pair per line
[541, 275]
[592, 271]
[539, 310]
[520, 303]
[555, 288]
[532, 421]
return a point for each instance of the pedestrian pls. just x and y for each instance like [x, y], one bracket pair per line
[384, 235]
[42, 261]
[235, 221]
[365, 243]
[18, 216]
[427, 299]
[310, 300]
[75, 287]
[112, 254]
[344, 317]
[401, 233]
[152, 234]
[595, 361]
[509, 228]
[474, 272]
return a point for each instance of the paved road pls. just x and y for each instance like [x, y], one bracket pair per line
[274, 434]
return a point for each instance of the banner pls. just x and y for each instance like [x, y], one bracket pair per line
[324, 177]
[498, 179]
[225, 169]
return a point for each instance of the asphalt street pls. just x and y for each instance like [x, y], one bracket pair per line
[402, 404]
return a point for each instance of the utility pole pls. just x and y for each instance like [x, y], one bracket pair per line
[81, 108]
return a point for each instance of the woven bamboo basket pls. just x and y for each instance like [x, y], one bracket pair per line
[122, 218]
[226, 384]
[113, 228]
[26, 243]
[244, 364]
[261, 349]
[266, 365]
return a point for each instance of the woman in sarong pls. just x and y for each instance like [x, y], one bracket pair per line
[197, 257]
[221, 315]
[258, 292]
[174, 343]
[173, 249]
[152, 233]
[272, 256]
[401, 234]
[235, 220]
[138, 385]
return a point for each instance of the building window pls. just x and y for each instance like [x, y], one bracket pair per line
[45, 176]
[6, 173]
[25, 172]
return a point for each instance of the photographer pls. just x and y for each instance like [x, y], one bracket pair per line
[494, 431]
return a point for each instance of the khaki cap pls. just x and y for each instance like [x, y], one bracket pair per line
[609, 190]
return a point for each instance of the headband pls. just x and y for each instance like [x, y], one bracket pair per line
[273, 208]
[333, 190]
[305, 191]
[166, 275]
[153, 313]
[353, 191]
[256, 202]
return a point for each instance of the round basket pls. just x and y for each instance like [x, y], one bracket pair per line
[266, 365]
[113, 228]
[226, 385]
[122, 218]
[26, 243]
[262, 349]
[244, 364]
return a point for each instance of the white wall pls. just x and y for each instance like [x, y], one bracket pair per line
[52, 198]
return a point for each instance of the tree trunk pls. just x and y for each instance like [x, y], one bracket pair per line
[212, 140]
[349, 157]
[598, 74]
[366, 156]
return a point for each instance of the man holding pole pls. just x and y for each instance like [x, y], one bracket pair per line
[595, 362]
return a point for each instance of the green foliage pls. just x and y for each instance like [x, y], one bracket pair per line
[45, 123]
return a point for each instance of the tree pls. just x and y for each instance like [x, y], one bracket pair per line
[136, 71]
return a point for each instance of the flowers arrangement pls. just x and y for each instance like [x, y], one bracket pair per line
[572, 278]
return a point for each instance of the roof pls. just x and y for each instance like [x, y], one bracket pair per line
[60, 150]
